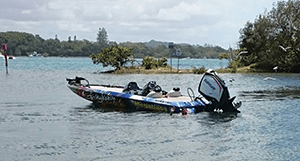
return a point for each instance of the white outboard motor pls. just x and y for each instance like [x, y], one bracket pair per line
[213, 88]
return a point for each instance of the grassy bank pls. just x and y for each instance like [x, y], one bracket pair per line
[160, 70]
[246, 69]
[194, 70]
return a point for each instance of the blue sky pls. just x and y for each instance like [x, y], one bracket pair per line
[215, 22]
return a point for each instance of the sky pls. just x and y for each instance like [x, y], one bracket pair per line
[214, 22]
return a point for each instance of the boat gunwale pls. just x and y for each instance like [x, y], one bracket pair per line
[116, 91]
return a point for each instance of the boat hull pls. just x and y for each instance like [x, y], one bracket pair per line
[110, 99]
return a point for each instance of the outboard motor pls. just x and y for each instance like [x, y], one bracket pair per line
[213, 88]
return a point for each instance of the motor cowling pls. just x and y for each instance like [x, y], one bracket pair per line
[214, 89]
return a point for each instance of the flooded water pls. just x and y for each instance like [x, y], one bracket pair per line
[41, 119]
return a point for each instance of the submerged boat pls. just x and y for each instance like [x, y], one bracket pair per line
[213, 96]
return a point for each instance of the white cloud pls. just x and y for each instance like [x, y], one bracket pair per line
[26, 11]
[72, 26]
[186, 21]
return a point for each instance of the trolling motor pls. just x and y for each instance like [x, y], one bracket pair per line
[77, 81]
[213, 88]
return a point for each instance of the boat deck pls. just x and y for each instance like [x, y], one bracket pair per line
[182, 98]
[119, 90]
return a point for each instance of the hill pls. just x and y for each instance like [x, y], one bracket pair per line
[23, 44]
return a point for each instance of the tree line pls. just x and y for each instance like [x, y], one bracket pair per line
[273, 39]
[141, 50]
[23, 44]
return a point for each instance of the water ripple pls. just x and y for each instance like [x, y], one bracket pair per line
[41, 119]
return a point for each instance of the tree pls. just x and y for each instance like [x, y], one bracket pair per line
[102, 37]
[116, 56]
[224, 56]
[273, 38]
[22, 44]
[54, 47]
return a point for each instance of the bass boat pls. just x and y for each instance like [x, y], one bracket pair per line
[213, 96]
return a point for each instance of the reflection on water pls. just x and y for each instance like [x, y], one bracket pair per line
[221, 117]
[209, 118]
[279, 93]
[106, 108]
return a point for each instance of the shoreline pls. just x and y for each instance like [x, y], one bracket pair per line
[168, 70]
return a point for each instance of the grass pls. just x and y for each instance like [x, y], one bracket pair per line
[159, 70]
[194, 70]
[245, 69]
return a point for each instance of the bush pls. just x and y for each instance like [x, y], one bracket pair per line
[234, 68]
[162, 62]
[199, 70]
[150, 62]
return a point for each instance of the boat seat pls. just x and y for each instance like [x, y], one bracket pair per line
[131, 86]
[154, 94]
[150, 86]
[175, 92]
